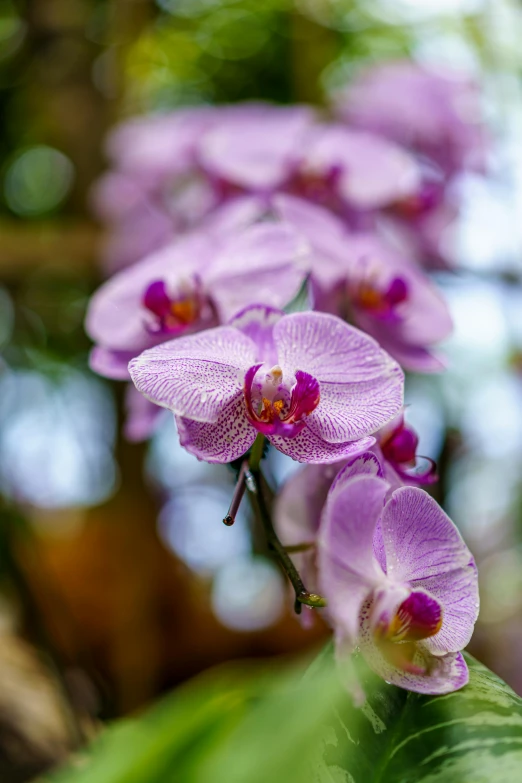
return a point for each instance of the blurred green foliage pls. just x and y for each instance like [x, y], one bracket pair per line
[249, 724]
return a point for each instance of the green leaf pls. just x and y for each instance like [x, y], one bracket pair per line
[254, 723]
[301, 300]
[471, 736]
[239, 723]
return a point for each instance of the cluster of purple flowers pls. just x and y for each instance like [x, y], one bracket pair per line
[219, 217]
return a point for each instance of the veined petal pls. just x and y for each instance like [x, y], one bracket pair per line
[329, 349]
[420, 540]
[423, 547]
[366, 464]
[348, 570]
[348, 411]
[457, 593]
[195, 376]
[224, 440]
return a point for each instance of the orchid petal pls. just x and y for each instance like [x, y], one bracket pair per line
[331, 350]
[257, 148]
[116, 317]
[308, 447]
[257, 322]
[110, 364]
[423, 547]
[266, 262]
[348, 411]
[374, 172]
[223, 440]
[348, 569]
[195, 376]
[326, 233]
[142, 416]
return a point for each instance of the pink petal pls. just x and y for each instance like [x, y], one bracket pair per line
[308, 447]
[326, 233]
[142, 416]
[224, 440]
[374, 172]
[257, 148]
[348, 570]
[366, 464]
[348, 411]
[266, 263]
[116, 317]
[331, 350]
[195, 376]
[110, 364]
[423, 547]
[257, 322]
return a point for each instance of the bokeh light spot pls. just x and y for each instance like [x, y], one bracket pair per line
[37, 181]
[191, 526]
[248, 594]
[232, 34]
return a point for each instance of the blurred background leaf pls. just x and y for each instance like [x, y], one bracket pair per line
[254, 724]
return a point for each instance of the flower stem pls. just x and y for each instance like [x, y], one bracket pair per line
[256, 452]
[292, 549]
[256, 493]
[237, 497]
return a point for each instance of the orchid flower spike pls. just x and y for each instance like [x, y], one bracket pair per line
[400, 582]
[316, 387]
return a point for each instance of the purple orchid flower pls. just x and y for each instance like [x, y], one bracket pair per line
[202, 279]
[400, 582]
[435, 113]
[360, 276]
[255, 150]
[314, 386]
[351, 170]
[158, 186]
[300, 502]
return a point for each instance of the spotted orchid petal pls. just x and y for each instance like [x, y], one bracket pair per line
[223, 440]
[309, 447]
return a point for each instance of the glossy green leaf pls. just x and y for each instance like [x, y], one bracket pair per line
[471, 736]
[254, 724]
